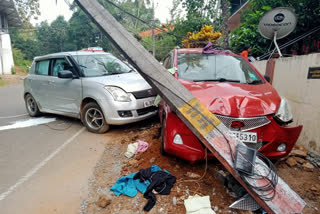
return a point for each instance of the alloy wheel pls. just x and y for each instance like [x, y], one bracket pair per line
[94, 118]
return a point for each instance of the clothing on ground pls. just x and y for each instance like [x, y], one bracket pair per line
[160, 181]
[142, 146]
[128, 186]
[131, 150]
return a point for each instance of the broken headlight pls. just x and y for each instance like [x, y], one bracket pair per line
[284, 115]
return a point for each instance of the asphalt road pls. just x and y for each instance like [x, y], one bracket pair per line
[43, 168]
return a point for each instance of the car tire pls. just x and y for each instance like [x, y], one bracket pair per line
[162, 150]
[31, 106]
[93, 118]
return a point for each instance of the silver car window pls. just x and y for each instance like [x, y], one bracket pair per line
[101, 65]
[60, 65]
[42, 67]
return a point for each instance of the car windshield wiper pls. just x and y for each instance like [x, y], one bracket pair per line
[217, 80]
[82, 66]
[112, 73]
[255, 82]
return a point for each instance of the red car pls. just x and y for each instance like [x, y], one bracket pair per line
[232, 89]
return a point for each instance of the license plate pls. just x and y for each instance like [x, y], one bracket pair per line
[248, 137]
[148, 103]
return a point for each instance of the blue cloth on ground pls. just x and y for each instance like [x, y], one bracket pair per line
[127, 186]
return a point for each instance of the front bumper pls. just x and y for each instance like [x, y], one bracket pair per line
[136, 110]
[270, 137]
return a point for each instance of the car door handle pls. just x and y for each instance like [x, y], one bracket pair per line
[50, 81]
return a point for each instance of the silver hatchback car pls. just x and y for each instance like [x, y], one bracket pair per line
[95, 87]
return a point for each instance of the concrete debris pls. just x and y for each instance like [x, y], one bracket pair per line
[301, 148]
[152, 160]
[291, 162]
[174, 200]
[307, 165]
[192, 175]
[132, 162]
[103, 202]
[314, 159]
[299, 160]
[298, 153]
[315, 189]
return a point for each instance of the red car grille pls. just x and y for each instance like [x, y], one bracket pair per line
[248, 123]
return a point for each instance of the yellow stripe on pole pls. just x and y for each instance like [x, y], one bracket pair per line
[199, 116]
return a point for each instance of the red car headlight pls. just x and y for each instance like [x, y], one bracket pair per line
[284, 115]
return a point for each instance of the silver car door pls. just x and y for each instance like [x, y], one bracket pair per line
[39, 83]
[65, 94]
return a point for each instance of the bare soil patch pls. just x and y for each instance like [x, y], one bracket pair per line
[306, 182]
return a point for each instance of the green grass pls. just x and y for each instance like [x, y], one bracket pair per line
[19, 60]
[2, 83]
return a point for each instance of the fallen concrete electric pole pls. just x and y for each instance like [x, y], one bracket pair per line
[196, 116]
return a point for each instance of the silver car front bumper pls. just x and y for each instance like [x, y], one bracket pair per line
[136, 110]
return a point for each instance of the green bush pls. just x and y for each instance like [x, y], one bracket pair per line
[13, 70]
[20, 61]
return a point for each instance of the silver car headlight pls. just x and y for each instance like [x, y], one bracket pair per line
[284, 112]
[118, 94]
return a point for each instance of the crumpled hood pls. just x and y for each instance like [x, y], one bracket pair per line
[234, 99]
[130, 82]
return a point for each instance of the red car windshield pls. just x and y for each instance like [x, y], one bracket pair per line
[199, 67]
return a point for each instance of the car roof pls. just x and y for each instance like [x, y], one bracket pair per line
[70, 53]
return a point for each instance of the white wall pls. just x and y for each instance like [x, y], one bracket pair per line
[260, 66]
[290, 80]
[6, 58]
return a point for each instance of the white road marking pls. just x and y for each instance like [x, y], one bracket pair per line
[39, 166]
[28, 123]
[14, 116]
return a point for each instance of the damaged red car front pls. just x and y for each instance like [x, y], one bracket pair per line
[232, 89]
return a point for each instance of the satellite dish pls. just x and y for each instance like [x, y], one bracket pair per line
[277, 24]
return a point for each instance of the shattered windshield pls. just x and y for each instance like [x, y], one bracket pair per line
[199, 67]
[101, 65]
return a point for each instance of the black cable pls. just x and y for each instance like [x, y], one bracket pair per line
[271, 178]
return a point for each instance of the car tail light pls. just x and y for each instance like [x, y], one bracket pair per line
[237, 124]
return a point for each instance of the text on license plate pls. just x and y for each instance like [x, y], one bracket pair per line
[250, 137]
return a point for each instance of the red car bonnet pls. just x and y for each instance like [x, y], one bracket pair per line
[235, 99]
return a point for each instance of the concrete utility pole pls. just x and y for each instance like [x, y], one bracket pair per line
[153, 35]
[205, 125]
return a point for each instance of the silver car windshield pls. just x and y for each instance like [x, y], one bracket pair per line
[101, 65]
[199, 67]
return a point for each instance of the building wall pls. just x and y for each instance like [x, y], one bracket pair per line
[6, 58]
[303, 95]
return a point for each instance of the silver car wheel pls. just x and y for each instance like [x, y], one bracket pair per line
[94, 118]
[31, 104]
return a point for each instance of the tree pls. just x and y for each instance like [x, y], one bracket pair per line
[307, 12]
[225, 17]
[199, 8]
[28, 9]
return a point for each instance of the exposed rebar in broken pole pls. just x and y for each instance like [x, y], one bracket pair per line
[212, 133]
